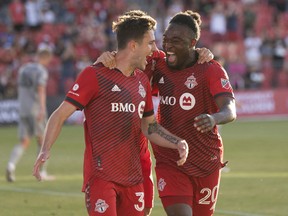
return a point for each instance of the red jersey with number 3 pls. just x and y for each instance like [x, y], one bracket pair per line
[113, 106]
[184, 95]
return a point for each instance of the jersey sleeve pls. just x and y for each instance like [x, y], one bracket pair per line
[84, 88]
[146, 164]
[149, 108]
[152, 61]
[218, 81]
[43, 77]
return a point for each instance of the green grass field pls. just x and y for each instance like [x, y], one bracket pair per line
[257, 184]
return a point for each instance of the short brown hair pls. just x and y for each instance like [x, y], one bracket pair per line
[132, 26]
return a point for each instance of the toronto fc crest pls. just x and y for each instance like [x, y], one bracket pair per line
[142, 91]
[101, 206]
[161, 184]
[191, 82]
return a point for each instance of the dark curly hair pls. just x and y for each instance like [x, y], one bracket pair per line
[190, 19]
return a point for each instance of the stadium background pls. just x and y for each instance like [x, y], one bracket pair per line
[250, 39]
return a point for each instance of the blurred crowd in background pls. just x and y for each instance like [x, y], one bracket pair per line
[248, 37]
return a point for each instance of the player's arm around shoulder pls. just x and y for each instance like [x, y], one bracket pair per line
[107, 59]
[162, 137]
[205, 55]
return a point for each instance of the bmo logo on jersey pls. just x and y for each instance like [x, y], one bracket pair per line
[123, 107]
[128, 107]
[187, 101]
[168, 100]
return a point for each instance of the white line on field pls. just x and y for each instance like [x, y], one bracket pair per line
[44, 192]
[236, 213]
[55, 193]
[230, 213]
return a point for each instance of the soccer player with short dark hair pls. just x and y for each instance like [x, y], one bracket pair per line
[194, 99]
[118, 108]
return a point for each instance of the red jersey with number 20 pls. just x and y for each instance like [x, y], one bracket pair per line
[113, 106]
[184, 95]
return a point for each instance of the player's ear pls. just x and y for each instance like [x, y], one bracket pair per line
[132, 45]
[193, 42]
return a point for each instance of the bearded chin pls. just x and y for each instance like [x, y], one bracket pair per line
[173, 66]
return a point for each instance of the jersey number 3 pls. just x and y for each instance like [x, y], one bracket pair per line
[141, 200]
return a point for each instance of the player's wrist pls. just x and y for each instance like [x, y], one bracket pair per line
[214, 121]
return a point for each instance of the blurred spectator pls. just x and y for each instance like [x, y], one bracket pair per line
[250, 35]
[68, 70]
[252, 49]
[33, 14]
[17, 15]
[249, 18]
[278, 58]
[218, 22]
[253, 78]
[233, 18]
[236, 69]
[82, 62]
[48, 15]
[46, 43]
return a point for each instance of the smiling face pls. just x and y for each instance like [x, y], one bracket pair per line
[143, 49]
[178, 41]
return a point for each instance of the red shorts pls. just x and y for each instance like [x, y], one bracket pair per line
[198, 192]
[110, 199]
[148, 183]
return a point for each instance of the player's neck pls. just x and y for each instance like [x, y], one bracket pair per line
[123, 63]
[193, 58]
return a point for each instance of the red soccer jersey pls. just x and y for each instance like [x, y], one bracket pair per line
[113, 106]
[184, 95]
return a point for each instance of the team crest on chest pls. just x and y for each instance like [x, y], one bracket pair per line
[141, 90]
[191, 82]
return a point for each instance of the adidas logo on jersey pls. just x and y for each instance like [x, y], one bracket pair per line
[115, 89]
[161, 80]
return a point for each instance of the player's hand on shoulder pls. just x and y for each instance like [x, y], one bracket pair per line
[107, 59]
[205, 55]
[183, 150]
[204, 123]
